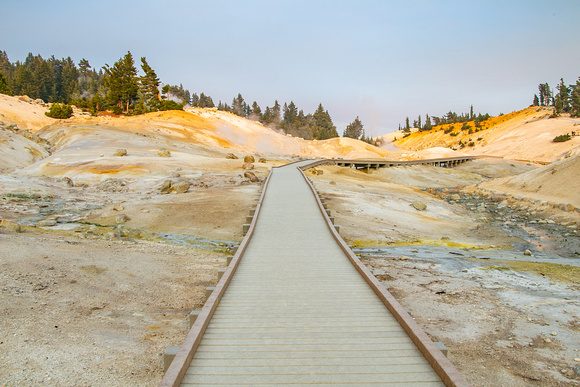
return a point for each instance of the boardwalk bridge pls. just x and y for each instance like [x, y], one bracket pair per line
[295, 306]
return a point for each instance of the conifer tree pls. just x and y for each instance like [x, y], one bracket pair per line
[323, 126]
[3, 86]
[575, 99]
[149, 87]
[354, 129]
[121, 80]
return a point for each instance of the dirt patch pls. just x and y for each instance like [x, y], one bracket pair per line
[95, 312]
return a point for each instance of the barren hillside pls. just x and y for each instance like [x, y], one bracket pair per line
[522, 135]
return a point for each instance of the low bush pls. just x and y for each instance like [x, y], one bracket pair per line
[562, 138]
[59, 110]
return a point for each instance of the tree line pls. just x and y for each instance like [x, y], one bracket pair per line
[566, 100]
[449, 118]
[123, 89]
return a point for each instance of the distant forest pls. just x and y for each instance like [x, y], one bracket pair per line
[120, 89]
[566, 100]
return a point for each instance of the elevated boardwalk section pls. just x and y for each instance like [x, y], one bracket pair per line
[369, 164]
[301, 310]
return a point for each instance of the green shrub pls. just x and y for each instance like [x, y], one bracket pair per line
[59, 110]
[562, 138]
[453, 134]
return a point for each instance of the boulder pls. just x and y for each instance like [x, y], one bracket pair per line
[527, 253]
[120, 152]
[249, 159]
[252, 176]
[454, 197]
[262, 160]
[419, 206]
[231, 156]
[10, 226]
[248, 166]
[46, 223]
[166, 187]
[163, 153]
[120, 219]
[68, 181]
[181, 187]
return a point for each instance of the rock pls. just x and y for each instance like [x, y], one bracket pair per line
[569, 208]
[10, 226]
[231, 156]
[181, 187]
[414, 251]
[248, 166]
[332, 182]
[403, 258]
[319, 171]
[454, 196]
[46, 223]
[118, 207]
[577, 370]
[419, 206]
[113, 185]
[262, 160]
[252, 176]
[249, 159]
[120, 219]
[163, 153]
[527, 253]
[120, 152]
[68, 181]
[166, 187]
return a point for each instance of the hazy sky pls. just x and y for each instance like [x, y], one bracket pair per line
[379, 60]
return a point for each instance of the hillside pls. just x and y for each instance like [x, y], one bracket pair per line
[556, 183]
[522, 135]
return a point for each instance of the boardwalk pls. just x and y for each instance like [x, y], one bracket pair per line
[298, 312]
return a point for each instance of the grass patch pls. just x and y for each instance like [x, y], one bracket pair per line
[23, 196]
[564, 273]
[498, 268]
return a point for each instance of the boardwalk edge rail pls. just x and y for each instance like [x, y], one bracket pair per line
[442, 366]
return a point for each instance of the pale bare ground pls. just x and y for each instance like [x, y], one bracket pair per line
[459, 266]
[143, 285]
[88, 301]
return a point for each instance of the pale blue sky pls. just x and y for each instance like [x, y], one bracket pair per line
[379, 60]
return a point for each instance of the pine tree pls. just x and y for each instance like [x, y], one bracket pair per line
[276, 114]
[429, 126]
[239, 106]
[256, 113]
[149, 87]
[354, 129]
[575, 99]
[121, 80]
[323, 126]
[536, 100]
[3, 86]
[290, 117]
